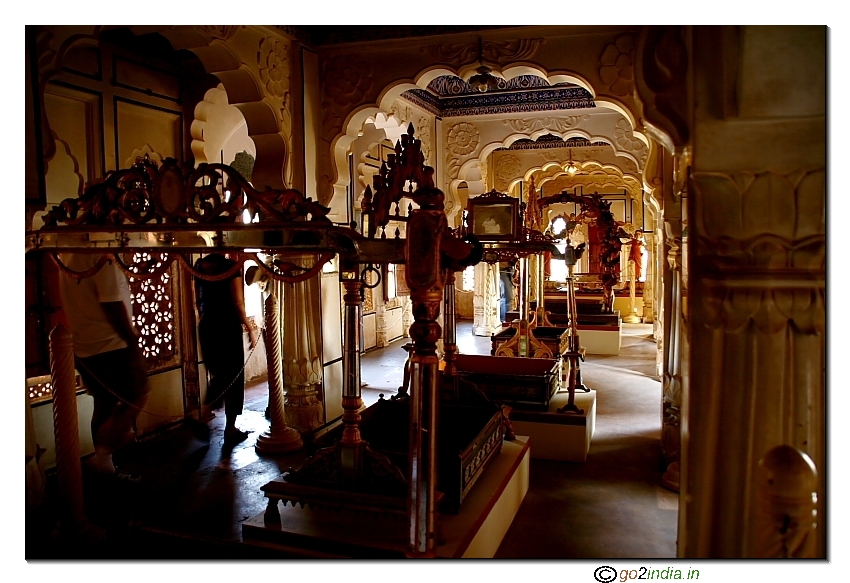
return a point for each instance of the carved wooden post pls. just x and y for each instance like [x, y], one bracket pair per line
[450, 328]
[351, 396]
[66, 430]
[787, 509]
[279, 438]
[425, 278]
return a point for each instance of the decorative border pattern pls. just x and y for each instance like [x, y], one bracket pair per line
[550, 141]
[556, 98]
[453, 86]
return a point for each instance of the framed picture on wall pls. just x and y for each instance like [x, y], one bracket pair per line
[494, 217]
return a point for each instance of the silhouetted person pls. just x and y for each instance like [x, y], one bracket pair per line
[221, 308]
[107, 353]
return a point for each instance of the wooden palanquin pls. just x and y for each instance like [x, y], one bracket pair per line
[524, 383]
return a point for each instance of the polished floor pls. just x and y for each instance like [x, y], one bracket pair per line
[194, 496]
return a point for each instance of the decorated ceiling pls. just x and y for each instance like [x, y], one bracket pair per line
[451, 96]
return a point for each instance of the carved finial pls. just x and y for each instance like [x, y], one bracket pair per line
[787, 486]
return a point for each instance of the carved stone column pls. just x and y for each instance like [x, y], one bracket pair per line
[672, 379]
[660, 263]
[302, 352]
[406, 315]
[757, 324]
[649, 283]
[381, 323]
[189, 341]
[486, 300]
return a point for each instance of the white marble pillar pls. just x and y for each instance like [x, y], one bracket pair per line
[381, 323]
[649, 280]
[302, 351]
[406, 315]
[757, 329]
[486, 300]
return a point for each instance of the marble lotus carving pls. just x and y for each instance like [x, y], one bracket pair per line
[348, 78]
[617, 70]
[423, 130]
[274, 66]
[764, 225]
[626, 139]
[763, 221]
[559, 124]
[462, 138]
[507, 168]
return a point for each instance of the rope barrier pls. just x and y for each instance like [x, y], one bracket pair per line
[142, 410]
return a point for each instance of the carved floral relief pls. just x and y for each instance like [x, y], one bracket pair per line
[347, 80]
[462, 138]
[423, 131]
[274, 67]
[617, 70]
[626, 139]
[507, 168]
[557, 124]
[763, 220]
[769, 228]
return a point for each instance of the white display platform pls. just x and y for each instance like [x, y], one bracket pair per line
[487, 512]
[559, 436]
[475, 532]
[598, 340]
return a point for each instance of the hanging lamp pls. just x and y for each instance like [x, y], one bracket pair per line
[483, 80]
[571, 167]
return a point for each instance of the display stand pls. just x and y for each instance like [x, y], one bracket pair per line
[555, 435]
[475, 532]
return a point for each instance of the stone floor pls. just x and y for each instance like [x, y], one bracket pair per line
[194, 495]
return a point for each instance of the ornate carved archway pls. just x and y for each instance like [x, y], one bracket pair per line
[254, 72]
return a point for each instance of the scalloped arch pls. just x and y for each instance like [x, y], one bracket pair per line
[243, 89]
[355, 119]
[591, 169]
[488, 149]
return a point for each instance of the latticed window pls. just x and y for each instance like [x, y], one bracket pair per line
[40, 388]
[153, 311]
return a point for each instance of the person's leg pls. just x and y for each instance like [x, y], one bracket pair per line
[234, 398]
[125, 374]
[95, 373]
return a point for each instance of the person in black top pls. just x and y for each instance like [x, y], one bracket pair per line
[221, 307]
